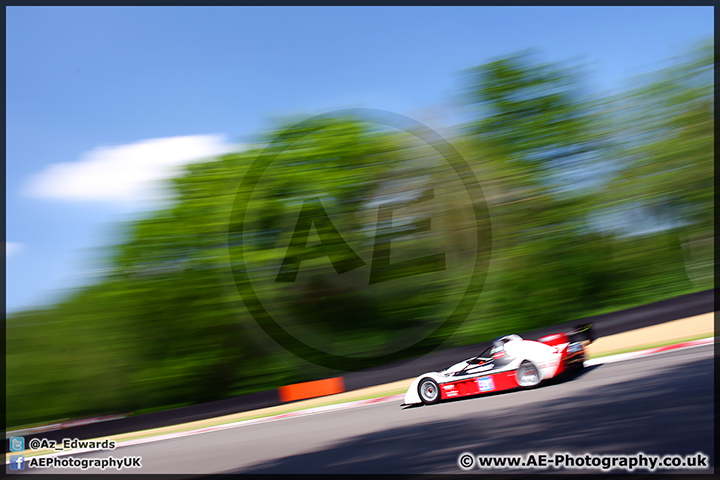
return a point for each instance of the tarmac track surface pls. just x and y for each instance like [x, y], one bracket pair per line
[660, 404]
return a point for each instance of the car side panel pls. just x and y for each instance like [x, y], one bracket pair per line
[484, 384]
[459, 389]
[546, 358]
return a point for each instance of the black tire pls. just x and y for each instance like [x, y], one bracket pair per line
[528, 375]
[578, 366]
[429, 391]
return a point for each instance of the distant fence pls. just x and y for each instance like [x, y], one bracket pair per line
[607, 324]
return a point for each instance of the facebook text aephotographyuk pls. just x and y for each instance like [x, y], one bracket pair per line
[81, 463]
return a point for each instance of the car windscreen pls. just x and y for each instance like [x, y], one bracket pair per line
[486, 354]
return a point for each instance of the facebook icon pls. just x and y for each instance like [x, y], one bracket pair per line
[17, 462]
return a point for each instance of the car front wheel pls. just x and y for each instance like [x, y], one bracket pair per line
[528, 374]
[429, 391]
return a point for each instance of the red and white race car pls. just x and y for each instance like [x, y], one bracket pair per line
[509, 362]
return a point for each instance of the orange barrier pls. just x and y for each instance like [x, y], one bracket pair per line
[318, 388]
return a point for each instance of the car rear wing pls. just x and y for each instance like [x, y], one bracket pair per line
[584, 334]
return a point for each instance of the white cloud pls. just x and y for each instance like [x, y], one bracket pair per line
[125, 174]
[11, 248]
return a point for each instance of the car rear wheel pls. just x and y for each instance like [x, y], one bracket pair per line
[528, 375]
[429, 391]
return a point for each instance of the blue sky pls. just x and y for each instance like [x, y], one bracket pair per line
[105, 102]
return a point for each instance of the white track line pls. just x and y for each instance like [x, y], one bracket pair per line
[361, 403]
[650, 351]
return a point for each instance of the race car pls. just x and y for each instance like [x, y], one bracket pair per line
[508, 363]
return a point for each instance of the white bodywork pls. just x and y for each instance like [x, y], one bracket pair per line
[546, 358]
